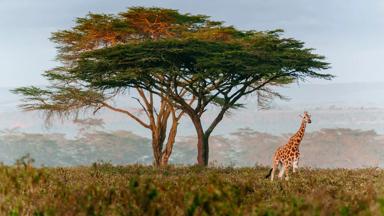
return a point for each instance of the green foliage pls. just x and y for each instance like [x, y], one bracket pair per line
[104, 189]
[60, 101]
[207, 69]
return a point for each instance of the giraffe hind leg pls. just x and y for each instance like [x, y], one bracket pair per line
[275, 165]
[282, 170]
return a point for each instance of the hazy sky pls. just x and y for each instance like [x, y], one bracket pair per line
[349, 33]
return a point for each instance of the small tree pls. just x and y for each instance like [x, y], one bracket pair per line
[216, 69]
[69, 95]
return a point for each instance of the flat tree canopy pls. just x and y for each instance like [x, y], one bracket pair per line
[217, 69]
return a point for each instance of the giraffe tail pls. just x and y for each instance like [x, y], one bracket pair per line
[269, 174]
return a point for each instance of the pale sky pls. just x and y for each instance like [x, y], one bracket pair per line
[349, 33]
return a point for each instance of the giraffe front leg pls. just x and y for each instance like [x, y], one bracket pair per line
[295, 165]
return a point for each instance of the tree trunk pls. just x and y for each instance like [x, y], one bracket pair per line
[156, 149]
[164, 159]
[202, 141]
[206, 149]
[162, 153]
[169, 146]
[203, 136]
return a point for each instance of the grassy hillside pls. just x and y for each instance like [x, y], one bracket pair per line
[103, 189]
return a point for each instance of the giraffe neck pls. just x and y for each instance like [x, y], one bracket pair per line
[300, 133]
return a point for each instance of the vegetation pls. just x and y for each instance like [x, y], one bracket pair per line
[104, 189]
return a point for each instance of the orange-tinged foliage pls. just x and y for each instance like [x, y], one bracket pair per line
[136, 24]
[93, 31]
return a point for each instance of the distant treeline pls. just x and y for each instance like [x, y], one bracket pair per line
[327, 148]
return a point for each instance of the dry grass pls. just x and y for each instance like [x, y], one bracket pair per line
[103, 189]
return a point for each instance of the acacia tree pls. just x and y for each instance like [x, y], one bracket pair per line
[215, 70]
[68, 95]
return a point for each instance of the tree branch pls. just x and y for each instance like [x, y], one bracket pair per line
[125, 112]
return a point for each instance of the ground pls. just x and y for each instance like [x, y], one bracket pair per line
[103, 189]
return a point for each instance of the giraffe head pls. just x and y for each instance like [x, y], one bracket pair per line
[307, 117]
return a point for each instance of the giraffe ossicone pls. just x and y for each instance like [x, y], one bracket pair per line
[287, 156]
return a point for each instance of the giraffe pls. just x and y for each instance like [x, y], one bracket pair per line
[287, 156]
